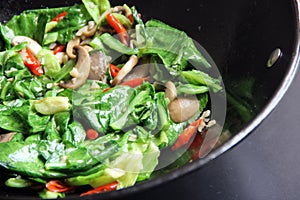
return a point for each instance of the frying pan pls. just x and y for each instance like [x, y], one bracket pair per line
[240, 36]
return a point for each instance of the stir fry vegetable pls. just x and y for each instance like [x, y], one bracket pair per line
[90, 95]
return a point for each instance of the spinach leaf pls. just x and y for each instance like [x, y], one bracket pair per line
[70, 159]
[62, 120]
[76, 18]
[103, 147]
[29, 24]
[200, 78]
[6, 34]
[51, 132]
[174, 47]
[78, 133]
[21, 157]
[129, 117]
[8, 59]
[20, 117]
[191, 89]
[112, 104]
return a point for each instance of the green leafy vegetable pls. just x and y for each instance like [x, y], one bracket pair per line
[96, 8]
[50, 122]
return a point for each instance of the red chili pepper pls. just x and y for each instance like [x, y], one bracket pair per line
[130, 17]
[104, 188]
[31, 62]
[118, 27]
[59, 17]
[57, 186]
[106, 89]
[186, 135]
[114, 70]
[134, 83]
[92, 134]
[58, 48]
[194, 148]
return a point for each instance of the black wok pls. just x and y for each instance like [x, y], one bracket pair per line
[240, 36]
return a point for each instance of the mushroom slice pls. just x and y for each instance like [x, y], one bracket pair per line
[140, 71]
[7, 137]
[99, 64]
[82, 69]
[88, 48]
[170, 91]
[129, 65]
[183, 108]
[88, 30]
[70, 47]
[33, 46]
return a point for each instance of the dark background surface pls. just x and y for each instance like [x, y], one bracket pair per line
[264, 166]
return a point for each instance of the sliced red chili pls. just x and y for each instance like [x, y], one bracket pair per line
[58, 186]
[31, 62]
[104, 188]
[186, 135]
[118, 27]
[106, 89]
[92, 134]
[194, 148]
[59, 17]
[135, 82]
[58, 48]
[114, 70]
[130, 17]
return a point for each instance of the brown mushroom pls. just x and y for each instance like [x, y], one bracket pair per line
[88, 30]
[183, 108]
[70, 47]
[99, 64]
[170, 91]
[140, 71]
[6, 137]
[129, 65]
[33, 46]
[80, 71]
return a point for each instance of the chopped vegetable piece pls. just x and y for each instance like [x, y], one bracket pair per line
[105, 188]
[31, 62]
[114, 70]
[92, 134]
[49, 62]
[18, 183]
[119, 28]
[59, 17]
[187, 134]
[135, 82]
[52, 105]
[106, 89]
[130, 17]
[58, 48]
[57, 186]
[194, 148]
